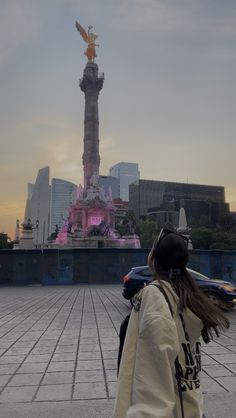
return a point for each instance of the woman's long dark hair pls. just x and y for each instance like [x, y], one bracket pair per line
[168, 260]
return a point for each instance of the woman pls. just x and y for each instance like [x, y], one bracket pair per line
[161, 360]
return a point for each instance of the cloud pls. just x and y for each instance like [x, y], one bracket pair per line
[11, 207]
[62, 158]
[230, 195]
[164, 16]
[151, 16]
[20, 23]
[60, 146]
[10, 211]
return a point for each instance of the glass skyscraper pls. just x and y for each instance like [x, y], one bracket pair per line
[127, 173]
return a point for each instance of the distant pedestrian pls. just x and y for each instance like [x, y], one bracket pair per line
[161, 359]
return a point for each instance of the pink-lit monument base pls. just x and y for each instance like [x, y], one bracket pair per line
[91, 222]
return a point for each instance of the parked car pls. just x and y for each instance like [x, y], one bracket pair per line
[221, 292]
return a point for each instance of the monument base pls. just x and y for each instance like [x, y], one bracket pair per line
[131, 241]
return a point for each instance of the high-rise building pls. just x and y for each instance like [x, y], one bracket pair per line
[110, 182]
[197, 199]
[63, 196]
[38, 206]
[127, 173]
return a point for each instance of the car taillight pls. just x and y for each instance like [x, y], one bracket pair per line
[125, 278]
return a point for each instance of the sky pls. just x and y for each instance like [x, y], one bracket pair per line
[168, 100]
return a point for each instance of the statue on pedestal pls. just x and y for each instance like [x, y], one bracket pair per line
[89, 38]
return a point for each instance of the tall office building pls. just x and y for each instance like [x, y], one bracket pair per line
[38, 206]
[108, 182]
[149, 197]
[63, 196]
[127, 173]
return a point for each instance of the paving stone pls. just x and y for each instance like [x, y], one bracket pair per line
[11, 359]
[232, 367]
[89, 376]
[207, 361]
[110, 346]
[32, 368]
[226, 341]
[46, 343]
[111, 375]
[54, 378]
[5, 344]
[73, 332]
[42, 350]
[110, 340]
[225, 358]
[54, 393]
[210, 386]
[30, 336]
[51, 335]
[18, 350]
[110, 363]
[217, 371]
[112, 388]
[110, 354]
[216, 350]
[107, 332]
[4, 379]
[24, 344]
[31, 379]
[66, 349]
[232, 347]
[8, 368]
[18, 394]
[38, 358]
[61, 366]
[68, 341]
[64, 356]
[89, 347]
[89, 333]
[89, 324]
[89, 365]
[106, 324]
[88, 340]
[228, 382]
[83, 355]
[95, 390]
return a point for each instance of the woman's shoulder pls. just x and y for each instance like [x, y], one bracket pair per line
[152, 297]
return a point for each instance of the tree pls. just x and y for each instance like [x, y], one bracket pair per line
[202, 221]
[128, 226]
[201, 238]
[213, 238]
[147, 230]
[227, 222]
[4, 241]
[223, 240]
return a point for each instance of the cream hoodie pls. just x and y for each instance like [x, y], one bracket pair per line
[147, 386]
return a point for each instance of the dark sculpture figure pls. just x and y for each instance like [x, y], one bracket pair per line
[99, 230]
[130, 227]
[69, 228]
[27, 226]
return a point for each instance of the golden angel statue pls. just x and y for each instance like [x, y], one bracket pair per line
[89, 38]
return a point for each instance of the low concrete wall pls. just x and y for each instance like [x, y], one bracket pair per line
[107, 265]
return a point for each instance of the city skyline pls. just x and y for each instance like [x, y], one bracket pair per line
[168, 101]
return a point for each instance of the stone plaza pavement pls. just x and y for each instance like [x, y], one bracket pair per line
[58, 353]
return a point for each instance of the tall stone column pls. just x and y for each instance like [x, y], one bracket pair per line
[91, 84]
